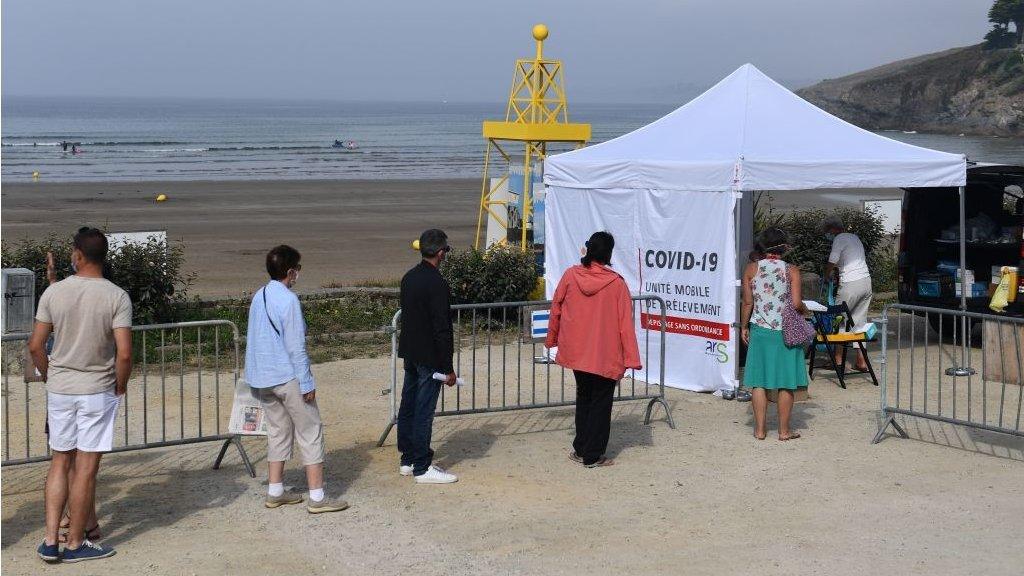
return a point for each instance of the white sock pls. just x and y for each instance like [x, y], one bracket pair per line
[275, 489]
[316, 495]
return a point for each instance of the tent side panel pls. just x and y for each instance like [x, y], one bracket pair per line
[679, 245]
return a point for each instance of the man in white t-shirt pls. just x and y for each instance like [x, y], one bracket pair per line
[86, 375]
[848, 258]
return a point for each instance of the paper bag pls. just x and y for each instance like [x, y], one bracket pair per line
[1001, 296]
[247, 414]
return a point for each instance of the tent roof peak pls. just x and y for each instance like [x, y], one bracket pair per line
[748, 132]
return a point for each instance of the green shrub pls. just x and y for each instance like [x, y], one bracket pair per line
[765, 215]
[465, 272]
[884, 271]
[150, 273]
[502, 273]
[810, 246]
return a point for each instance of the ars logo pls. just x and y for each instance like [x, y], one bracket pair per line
[717, 350]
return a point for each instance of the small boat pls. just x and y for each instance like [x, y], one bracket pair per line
[346, 144]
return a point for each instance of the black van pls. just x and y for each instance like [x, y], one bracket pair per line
[930, 241]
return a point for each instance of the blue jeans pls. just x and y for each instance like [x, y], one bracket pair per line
[416, 417]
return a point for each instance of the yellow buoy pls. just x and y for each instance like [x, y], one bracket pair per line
[161, 198]
[415, 244]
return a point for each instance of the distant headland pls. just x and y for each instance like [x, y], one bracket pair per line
[968, 90]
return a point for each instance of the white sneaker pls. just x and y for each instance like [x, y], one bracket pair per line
[435, 475]
[404, 470]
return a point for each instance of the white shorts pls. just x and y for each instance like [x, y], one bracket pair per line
[82, 421]
[857, 295]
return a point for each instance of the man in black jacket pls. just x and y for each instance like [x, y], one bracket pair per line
[426, 345]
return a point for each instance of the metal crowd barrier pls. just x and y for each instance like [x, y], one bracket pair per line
[950, 366]
[505, 369]
[175, 395]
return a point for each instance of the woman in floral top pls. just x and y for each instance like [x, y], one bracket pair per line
[770, 363]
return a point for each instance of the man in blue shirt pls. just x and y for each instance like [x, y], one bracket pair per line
[277, 368]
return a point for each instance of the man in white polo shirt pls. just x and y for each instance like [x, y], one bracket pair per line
[848, 258]
[85, 376]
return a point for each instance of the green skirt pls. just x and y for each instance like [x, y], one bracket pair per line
[771, 364]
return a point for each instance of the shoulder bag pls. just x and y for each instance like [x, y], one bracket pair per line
[796, 330]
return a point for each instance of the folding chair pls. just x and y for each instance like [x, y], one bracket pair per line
[827, 326]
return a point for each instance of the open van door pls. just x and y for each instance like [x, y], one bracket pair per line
[929, 256]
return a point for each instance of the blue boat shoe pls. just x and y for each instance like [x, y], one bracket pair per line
[87, 551]
[49, 552]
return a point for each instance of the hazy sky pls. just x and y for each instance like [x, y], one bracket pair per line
[461, 50]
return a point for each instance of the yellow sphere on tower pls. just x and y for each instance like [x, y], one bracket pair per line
[540, 32]
[415, 244]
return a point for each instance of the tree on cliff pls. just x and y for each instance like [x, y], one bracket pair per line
[1002, 14]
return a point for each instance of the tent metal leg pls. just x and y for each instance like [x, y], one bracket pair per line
[964, 368]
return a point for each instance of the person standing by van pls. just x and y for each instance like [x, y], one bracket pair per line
[591, 324]
[849, 260]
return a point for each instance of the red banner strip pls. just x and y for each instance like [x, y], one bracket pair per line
[687, 326]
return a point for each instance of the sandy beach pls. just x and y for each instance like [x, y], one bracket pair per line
[348, 231]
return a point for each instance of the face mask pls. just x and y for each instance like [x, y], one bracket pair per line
[73, 267]
[295, 279]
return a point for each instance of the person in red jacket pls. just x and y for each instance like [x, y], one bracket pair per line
[591, 324]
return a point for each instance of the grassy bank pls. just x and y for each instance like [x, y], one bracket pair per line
[339, 325]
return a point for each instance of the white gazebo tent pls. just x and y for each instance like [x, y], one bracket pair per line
[673, 188]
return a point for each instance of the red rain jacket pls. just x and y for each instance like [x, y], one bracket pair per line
[591, 322]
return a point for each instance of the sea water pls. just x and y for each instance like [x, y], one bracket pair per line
[185, 139]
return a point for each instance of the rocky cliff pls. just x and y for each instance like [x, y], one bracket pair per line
[963, 90]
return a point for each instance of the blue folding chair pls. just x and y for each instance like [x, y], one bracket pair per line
[827, 328]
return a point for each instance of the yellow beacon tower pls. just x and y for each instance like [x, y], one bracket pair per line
[537, 115]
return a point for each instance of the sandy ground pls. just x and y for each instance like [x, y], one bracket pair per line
[706, 498]
[347, 230]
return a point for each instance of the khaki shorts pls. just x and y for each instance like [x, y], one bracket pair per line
[291, 420]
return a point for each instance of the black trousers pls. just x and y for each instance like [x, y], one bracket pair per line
[593, 415]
